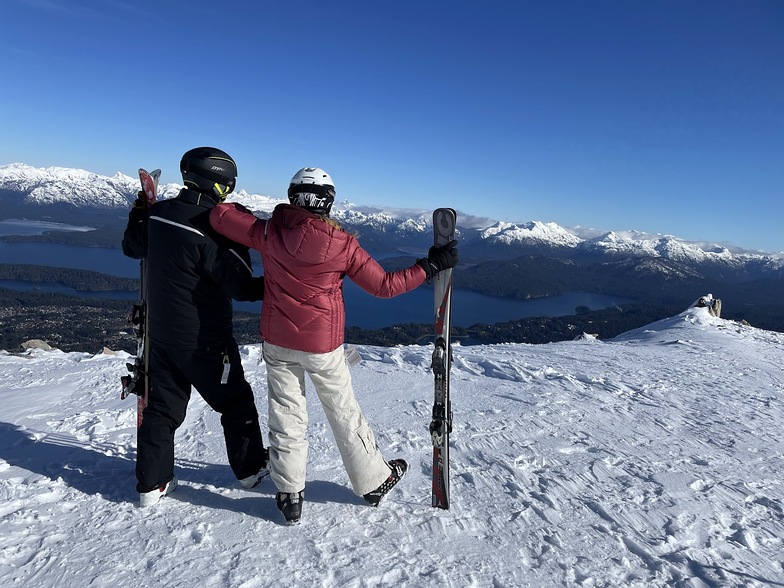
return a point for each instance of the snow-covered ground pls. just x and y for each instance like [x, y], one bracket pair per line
[654, 459]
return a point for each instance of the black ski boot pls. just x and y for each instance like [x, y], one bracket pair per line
[398, 467]
[290, 504]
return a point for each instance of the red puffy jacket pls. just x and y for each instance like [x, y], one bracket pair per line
[305, 259]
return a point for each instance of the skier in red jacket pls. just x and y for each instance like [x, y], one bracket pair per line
[306, 255]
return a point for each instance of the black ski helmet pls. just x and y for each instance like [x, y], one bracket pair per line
[312, 189]
[210, 171]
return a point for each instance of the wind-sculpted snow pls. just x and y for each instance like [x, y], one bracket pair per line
[651, 460]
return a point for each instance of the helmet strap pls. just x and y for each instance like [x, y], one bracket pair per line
[221, 191]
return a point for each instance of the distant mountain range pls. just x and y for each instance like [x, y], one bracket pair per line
[64, 195]
[518, 260]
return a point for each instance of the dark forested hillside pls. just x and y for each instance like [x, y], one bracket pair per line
[76, 324]
[88, 324]
[71, 278]
[80, 324]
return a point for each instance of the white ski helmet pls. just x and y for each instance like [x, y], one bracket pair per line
[312, 189]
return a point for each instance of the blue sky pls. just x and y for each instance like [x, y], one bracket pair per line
[664, 116]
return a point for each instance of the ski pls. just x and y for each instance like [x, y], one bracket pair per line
[444, 223]
[137, 382]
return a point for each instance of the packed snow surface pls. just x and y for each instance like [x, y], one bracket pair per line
[653, 459]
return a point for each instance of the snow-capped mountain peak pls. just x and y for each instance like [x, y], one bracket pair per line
[533, 231]
[663, 246]
[29, 190]
[76, 187]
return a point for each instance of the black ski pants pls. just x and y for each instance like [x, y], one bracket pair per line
[172, 373]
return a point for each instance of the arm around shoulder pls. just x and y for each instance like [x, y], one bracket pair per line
[236, 222]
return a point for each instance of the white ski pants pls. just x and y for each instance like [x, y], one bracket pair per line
[288, 418]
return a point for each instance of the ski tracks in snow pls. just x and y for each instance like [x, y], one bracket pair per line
[642, 466]
[591, 464]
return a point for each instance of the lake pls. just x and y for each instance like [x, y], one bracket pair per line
[362, 309]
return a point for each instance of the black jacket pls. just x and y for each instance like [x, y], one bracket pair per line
[192, 271]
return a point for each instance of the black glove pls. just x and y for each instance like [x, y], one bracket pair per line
[256, 289]
[439, 258]
[140, 208]
[141, 201]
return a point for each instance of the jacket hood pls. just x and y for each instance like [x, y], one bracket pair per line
[307, 236]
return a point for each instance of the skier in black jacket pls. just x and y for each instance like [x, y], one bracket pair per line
[192, 275]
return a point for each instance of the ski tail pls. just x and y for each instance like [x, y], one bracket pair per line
[444, 230]
[149, 181]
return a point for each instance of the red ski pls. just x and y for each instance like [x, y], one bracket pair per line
[137, 382]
